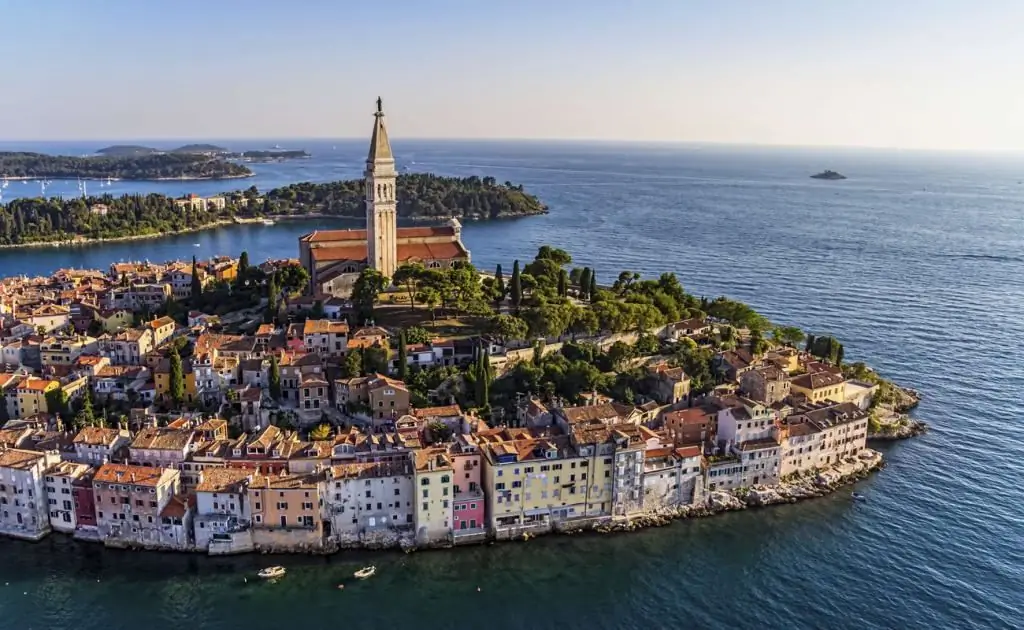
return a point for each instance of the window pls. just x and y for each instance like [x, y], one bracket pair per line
[445, 479]
[397, 492]
[528, 470]
[425, 494]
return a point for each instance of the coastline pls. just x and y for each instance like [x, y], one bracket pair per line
[190, 178]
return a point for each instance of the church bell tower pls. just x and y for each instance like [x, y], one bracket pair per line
[381, 205]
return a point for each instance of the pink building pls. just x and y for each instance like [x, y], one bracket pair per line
[468, 497]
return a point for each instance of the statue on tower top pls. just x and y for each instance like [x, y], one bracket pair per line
[380, 106]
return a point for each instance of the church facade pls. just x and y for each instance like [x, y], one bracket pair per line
[334, 258]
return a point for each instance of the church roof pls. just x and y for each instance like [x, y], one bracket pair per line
[353, 236]
[406, 252]
[380, 148]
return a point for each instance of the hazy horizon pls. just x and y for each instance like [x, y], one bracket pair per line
[913, 75]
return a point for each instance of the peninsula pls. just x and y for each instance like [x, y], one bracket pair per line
[136, 166]
[827, 174]
[381, 391]
[134, 150]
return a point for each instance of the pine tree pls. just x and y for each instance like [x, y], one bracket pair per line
[403, 360]
[274, 378]
[516, 286]
[593, 285]
[177, 378]
[585, 283]
[85, 416]
[197, 285]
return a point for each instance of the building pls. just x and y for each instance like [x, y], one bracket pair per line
[128, 347]
[161, 447]
[31, 396]
[129, 503]
[334, 258]
[370, 502]
[469, 518]
[287, 511]
[23, 497]
[767, 384]
[388, 399]
[61, 500]
[818, 387]
[816, 437]
[223, 513]
[325, 337]
[163, 329]
[669, 385]
[433, 499]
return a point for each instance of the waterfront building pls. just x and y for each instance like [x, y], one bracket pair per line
[820, 386]
[469, 514]
[672, 477]
[129, 501]
[369, 501]
[287, 511]
[60, 495]
[223, 514]
[85, 505]
[334, 258]
[433, 499]
[23, 497]
[696, 425]
[816, 437]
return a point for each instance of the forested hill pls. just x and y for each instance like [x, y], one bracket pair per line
[157, 166]
[27, 220]
[420, 195]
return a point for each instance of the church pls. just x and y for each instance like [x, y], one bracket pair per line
[334, 258]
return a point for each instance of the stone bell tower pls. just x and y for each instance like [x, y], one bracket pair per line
[381, 205]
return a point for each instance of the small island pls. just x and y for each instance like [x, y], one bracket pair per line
[827, 174]
[137, 166]
[35, 221]
[134, 150]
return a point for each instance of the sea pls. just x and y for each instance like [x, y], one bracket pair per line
[915, 262]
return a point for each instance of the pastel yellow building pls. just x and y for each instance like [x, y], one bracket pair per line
[31, 396]
[820, 386]
[432, 487]
[115, 319]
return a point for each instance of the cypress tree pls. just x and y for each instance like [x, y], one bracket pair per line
[85, 416]
[243, 263]
[592, 293]
[516, 289]
[275, 378]
[197, 285]
[563, 282]
[809, 344]
[499, 283]
[177, 378]
[585, 283]
[839, 355]
[273, 295]
[403, 360]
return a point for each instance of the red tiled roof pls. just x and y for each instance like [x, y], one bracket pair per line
[406, 252]
[325, 236]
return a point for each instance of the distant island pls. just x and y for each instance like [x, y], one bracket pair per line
[135, 150]
[37, 221]
[187, 165]
[827, 174]
[270, 156]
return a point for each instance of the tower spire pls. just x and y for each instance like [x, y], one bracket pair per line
[381, 202]
[380, 147]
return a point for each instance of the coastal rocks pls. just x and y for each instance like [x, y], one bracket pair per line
[817, 484]
[720, 501]
[900, 429]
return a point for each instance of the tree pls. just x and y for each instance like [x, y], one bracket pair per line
[403, 358]
[757, 343]
[56, 402]
[243, 263]
[273, 298]
[274, 378]
[584, 283]
[375, 360]
[809, 346]
[177, 378]
[538, 352]
[197, 284]
[839, 355]
[508, 327]
[366, 290]
[499, 286]
[482, 381]
[85, 416]
[409, 276]
[352, 366]
[789, 335]
[563, 282]
[321, 431]
[516, 286]
[5, 415]
[592, 293]
[429, 297]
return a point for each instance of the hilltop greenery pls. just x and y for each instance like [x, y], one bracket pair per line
[419, 195]
[132, 166]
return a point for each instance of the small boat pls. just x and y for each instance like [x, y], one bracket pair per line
[271, 573]
[197, 244]
[857, 496]
[364, 573]
[268, 222]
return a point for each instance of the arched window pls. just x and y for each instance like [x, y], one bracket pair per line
[433, 264]
[349, 269]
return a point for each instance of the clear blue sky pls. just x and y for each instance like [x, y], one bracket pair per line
[887, 73]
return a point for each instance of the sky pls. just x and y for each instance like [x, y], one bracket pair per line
[921, 74]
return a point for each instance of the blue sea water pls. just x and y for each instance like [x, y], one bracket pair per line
[916, 262]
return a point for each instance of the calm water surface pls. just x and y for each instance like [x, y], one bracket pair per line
[916, 262]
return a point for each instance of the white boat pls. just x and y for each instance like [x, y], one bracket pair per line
[858, 497]
[271, 573]
[365, 572]
[268, 222]
[197, 244]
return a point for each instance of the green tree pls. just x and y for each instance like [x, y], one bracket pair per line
[366, 290]
[584, 283]
[177, 378]
[839, 355]
[56, 402]
[516, 286]
[809, 345]
[499, 287]
[352, 366]
[789, 335]
[508, 327]
[408, 276]
[431, 298]
[197, 283]
[403, 358]
[5, 415]
[243, 264]
[592, 293]
[375, 360]
[320, 432]
[563, 283]
[274, 378]
[482, 381]
[273, 298]
[85, 416]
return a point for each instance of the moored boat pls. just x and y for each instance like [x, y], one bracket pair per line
[365, 572]
[271, 573]
[857, 496]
